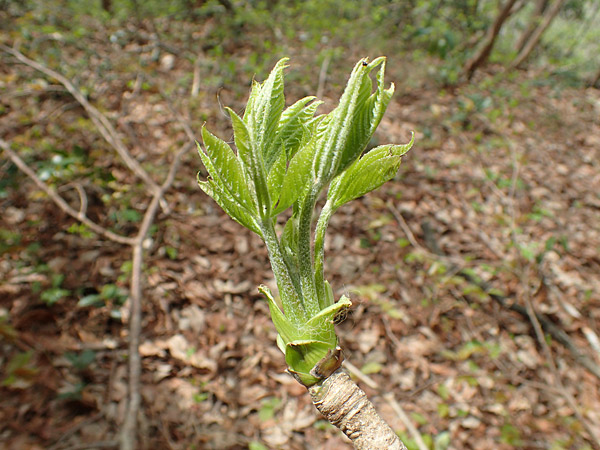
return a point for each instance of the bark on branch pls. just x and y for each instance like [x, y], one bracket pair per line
[482, 55]
[347, 407]
[537, 34]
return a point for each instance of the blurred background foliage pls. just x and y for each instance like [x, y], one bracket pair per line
[437, 35]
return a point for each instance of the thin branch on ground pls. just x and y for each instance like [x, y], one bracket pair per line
[547, 324]
[106, 129]
[127, 439]
[529, 310]
[128, 432]
[60, 202]
[94, 445]
[594, 438]
[413, 240]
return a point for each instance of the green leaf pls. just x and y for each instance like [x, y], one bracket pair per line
[367, 173]
[368, 115]
[52, 295]
[294, 124]
[284, 327]
[263, 117]
[250, 111]
[352, 123]
[90, 300]
[233, 209]
[252, 162]
[297, 179]
[302, 355]
[371, 368]
[255, 445]
[82, 360]
[225, 169]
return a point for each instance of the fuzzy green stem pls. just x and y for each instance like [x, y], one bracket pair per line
[305, 258]
[320, 230]
[293, 306]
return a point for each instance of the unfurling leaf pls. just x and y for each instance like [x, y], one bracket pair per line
[297, 179]
[263, 114]
[286, 157]
[224, 168]
[293, 126]
[252, 163]
[351, 124]
[230, 206]
[367, 173]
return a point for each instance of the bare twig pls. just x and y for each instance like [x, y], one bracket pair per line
[413, 240]
[179, 118]
[407, 231]
[361, 376]
[128, 432]
[60, 202]
[595, 439]
[196, 79]
[530, 312]
[74, 429]
[94, 445]
[389, 397]
[323, 75]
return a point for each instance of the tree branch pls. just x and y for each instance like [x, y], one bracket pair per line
[347, 407]
[482, 55]
[106, 129]
[60, 202]
[537, 34]
[127, 439]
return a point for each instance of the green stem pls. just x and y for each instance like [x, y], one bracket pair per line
[293, 306]
[305, 259]
[320, 230]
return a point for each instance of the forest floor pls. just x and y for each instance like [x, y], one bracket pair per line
[495, 213]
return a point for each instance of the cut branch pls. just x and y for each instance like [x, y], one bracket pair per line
[347, 407]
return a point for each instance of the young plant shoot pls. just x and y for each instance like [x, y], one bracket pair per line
[287, 158]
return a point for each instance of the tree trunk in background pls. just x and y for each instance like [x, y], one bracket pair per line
[595, 83]
[480, 57]
[536, 17]
[107, 5]
[347, 407]
[537, 34]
